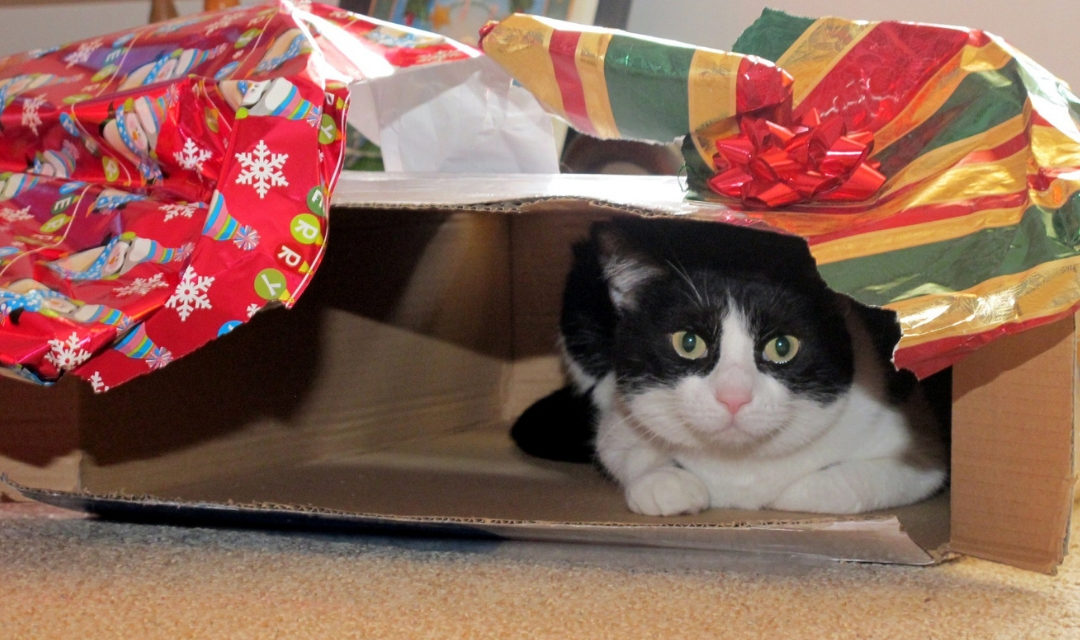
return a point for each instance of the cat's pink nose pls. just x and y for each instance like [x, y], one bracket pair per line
[734, 399]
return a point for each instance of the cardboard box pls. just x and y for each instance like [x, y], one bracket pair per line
[384, 399]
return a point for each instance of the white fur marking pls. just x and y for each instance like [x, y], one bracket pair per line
[624, 275]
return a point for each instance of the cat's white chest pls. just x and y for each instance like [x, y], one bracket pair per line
[751, 482]
[863, 436]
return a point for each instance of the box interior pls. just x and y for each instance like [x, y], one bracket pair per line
[389, 389]
[387, 393]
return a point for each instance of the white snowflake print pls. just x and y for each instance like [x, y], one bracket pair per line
[222, 22]
[179, 210]
[82, 54]
[438, 56]
[172, 95]
[246, 238]
[252, 309]
[65, 355]
[184, 252]
[9, 215]
[158, 358]
[262, 169]
[192, 156]
[97, 383]
[190, 294]
[141, 286]
[34, 54]
[30, 113]
[260, 17]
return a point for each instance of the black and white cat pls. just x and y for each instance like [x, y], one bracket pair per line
[710, 366]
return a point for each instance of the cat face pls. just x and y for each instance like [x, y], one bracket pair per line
[724, 357]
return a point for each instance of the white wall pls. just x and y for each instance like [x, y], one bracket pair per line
[36, 24]
[1046, 30]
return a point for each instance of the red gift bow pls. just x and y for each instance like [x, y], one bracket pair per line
[771, 165]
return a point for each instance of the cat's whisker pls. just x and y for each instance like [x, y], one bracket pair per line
[683, 275]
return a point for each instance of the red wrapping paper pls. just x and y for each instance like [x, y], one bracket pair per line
[160, 186]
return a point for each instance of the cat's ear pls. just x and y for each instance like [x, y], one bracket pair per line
[626, 266]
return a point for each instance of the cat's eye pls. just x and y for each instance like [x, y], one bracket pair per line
[781, 349]
[689, 345]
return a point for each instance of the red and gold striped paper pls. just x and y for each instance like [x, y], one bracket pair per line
[975, 233]
[612, 84]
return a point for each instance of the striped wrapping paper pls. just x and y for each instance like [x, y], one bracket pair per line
[612, 84]
[975, 233]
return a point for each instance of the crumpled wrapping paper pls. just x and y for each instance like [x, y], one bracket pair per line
[933, 170]
[161, 185]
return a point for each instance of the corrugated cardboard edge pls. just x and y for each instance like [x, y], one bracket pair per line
[638, 195]
[871, 540]
[1013, 501]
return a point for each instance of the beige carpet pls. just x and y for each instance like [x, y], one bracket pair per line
[67, 576]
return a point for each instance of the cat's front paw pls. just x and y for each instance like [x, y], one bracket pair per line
[667, 491]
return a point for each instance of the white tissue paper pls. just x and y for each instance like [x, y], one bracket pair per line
[462, 116]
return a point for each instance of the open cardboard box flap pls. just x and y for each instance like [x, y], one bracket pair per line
[383, 399]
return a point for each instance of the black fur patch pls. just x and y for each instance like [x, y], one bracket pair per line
[559, 426]
[587, 324]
